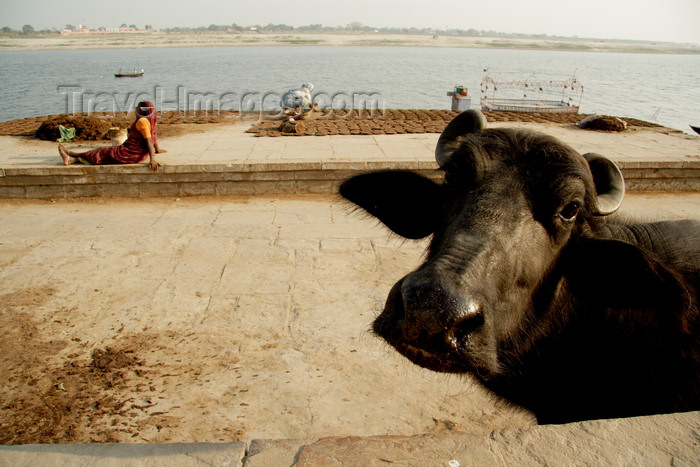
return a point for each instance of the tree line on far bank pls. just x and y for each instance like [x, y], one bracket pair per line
[28, 30]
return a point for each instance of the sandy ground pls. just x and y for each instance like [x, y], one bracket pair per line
[161, 39]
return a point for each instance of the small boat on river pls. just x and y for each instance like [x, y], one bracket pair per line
[134, 74]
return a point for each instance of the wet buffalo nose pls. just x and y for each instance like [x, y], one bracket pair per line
[431, 309]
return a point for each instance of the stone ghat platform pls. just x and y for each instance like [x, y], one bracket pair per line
[228, 159]
[654, 440]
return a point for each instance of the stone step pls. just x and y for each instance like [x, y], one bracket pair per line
[654, 440]
[136, 181]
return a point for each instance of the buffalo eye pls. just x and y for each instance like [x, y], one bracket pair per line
[570, 211]
[452, 179]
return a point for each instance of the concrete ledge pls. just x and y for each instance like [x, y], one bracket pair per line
[657, 440]
[136, 181]
[661, 176]
[672, 439]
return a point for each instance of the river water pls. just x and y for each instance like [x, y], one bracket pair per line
[652, 87]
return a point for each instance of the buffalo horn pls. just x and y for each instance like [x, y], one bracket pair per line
[469, 121]
[609, 183]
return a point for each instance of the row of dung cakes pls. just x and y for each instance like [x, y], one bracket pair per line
[394, 121]
[386, 122]
[389, 121]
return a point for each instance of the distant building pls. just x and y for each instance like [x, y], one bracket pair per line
[85, 30]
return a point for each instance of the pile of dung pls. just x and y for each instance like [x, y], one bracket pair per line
[95, 125]
[90, 128]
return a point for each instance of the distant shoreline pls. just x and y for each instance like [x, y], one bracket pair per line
[251, 39]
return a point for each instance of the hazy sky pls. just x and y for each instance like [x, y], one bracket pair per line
[657, 20]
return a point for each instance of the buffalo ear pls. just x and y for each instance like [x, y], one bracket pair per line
[406, 202]
[609, 183]
[469, 121]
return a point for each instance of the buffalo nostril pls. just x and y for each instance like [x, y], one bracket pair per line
[430, 309]
[463, 327]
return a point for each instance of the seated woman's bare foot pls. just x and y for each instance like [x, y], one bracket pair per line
[67, 159]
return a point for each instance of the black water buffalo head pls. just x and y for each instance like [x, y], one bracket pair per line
[510, 202]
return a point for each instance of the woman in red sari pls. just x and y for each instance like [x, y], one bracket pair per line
[142, 142]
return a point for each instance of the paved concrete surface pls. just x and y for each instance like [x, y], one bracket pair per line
[229, 143]
[225, 160]
[249, 315]
[252, 310]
